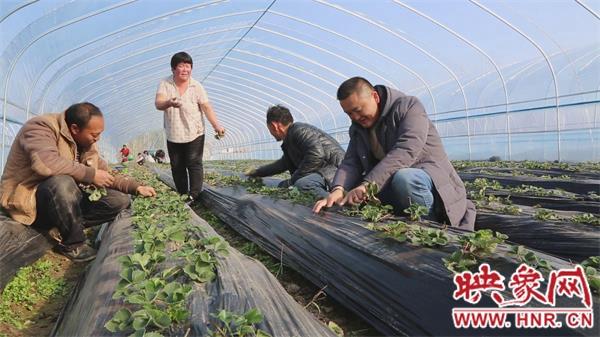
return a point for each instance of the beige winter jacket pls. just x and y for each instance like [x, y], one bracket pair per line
[44, 148]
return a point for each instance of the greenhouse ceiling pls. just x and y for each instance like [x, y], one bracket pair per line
[517, 79]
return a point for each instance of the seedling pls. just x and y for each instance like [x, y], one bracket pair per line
[475, 246]
[591, 267]
[94, 193]
[375, 213]
[586, 218]
[335, 328]
[400, 231]
[415, 211]
[429, 237]
[459, 261]
[530, 258]
[545, 215]
[234, 325]
[397, 230]
[511, 209]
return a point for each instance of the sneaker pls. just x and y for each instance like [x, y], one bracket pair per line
[81, 253]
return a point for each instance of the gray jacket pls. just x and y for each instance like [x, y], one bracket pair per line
[409, 139]
[306, 150]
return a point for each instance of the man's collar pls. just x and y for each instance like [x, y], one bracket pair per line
[382, 93]
[64, 128]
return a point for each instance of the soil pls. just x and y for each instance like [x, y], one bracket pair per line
[40, 320]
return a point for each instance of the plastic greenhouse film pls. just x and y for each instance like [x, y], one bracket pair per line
[579, 186]
[568, 240]
[241, 284]
[396, 287]
[19, 246]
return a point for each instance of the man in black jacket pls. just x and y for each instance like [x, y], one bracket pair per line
[311, 155]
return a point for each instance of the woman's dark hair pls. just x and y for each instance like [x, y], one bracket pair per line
[81, 113]
[181, 57]
[279, 113]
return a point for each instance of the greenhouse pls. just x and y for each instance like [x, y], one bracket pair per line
[300, 168]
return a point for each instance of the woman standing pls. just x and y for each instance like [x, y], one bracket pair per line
[184, 102]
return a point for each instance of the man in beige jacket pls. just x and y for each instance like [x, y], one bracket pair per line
[51, 158]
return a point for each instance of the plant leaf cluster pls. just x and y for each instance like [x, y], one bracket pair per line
[94, 192]
[417, 235]
[155, 290]
[231, 324]
[474, 247]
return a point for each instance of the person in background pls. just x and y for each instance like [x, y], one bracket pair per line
[309, 154]
[148, 158]
[124, 153]
[184, 103]
[395, 146]
[51, 160]
[140, 159]
[160, 156]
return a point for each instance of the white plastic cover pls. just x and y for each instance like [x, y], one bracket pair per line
[517, 79]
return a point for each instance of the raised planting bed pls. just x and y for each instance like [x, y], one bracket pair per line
[397, 276]
[164, 271]
[568, 234]
[579, 186]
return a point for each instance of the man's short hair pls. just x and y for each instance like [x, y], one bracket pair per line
[181, 57]
[81, 113]
[353, 85]
[279, 113]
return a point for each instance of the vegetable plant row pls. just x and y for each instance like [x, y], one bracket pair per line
[162, 271]
[397, 275]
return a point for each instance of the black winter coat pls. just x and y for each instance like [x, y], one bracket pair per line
[306, 150]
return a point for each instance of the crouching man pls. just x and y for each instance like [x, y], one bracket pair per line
[395, 146]
[309, 154]
[50, 159]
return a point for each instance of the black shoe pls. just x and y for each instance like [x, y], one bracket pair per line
[189, 200]
[81, 253]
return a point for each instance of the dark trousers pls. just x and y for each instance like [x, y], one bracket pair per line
[186, 163]
[62, 204]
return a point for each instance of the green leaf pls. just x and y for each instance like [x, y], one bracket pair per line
[152, 334]
[260, 333]
[178, 236]
[224, 316]
[253, 316]
[140, 322]
[590, 271]
[179, 315]
[112, 326]
[594, 283]
[159, 318]
[335, 328]
[122, 315]
[136, 298]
